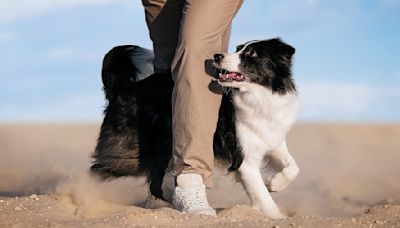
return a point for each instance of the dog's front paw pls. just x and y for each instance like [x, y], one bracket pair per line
[278, 183]
[281, 180]
[278, 216]
[271, 212]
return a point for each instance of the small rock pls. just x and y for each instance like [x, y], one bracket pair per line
[379, 222]
[275, 226]
[1, 201]
[292, 224]
[17, 209]
[354, 220]
[155, 217]
[34, 196]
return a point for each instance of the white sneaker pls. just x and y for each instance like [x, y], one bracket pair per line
[190, 195]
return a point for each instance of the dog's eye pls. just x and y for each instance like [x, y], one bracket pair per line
[251, 53]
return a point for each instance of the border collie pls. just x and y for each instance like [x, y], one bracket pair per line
[254, 118]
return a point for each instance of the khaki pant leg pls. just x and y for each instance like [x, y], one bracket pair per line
[205, 29]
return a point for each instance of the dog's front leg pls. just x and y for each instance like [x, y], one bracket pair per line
[259, 196]
[289, 172]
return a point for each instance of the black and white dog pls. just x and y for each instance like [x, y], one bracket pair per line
[254, 118]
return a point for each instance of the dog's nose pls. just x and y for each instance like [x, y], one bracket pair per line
[218, 57]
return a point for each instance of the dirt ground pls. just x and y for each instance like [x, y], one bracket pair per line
[349, 177]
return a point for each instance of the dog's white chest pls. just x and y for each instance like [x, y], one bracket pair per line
[263, 118]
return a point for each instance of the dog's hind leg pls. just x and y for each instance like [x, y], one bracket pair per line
[259, 196]
[156, 177]
[168, 186]
[289, 172]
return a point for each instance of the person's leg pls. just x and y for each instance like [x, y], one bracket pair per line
[205, 29]
[163, 19]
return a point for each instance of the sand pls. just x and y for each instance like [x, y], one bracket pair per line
[349, 177]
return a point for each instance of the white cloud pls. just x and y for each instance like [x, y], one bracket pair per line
[11, 10]
[78, 107]
[334, 101]
[320, 101]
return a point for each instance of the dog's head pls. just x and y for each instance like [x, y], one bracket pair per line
[265, 62]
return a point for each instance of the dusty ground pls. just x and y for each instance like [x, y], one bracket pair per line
[350, 177]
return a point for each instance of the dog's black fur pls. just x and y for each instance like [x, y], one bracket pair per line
[268, 63]
[136, 135]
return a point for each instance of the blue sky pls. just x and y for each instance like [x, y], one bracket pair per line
[346, 64]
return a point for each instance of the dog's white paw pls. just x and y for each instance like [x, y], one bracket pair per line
[281, 180]
[278, 183]
[278, 216]
[270, 212]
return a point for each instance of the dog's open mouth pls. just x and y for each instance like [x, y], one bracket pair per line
[227, 76]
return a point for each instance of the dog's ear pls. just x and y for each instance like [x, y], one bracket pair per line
[108, 84]
[107, 76]
[117, 72]
[286, 49]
